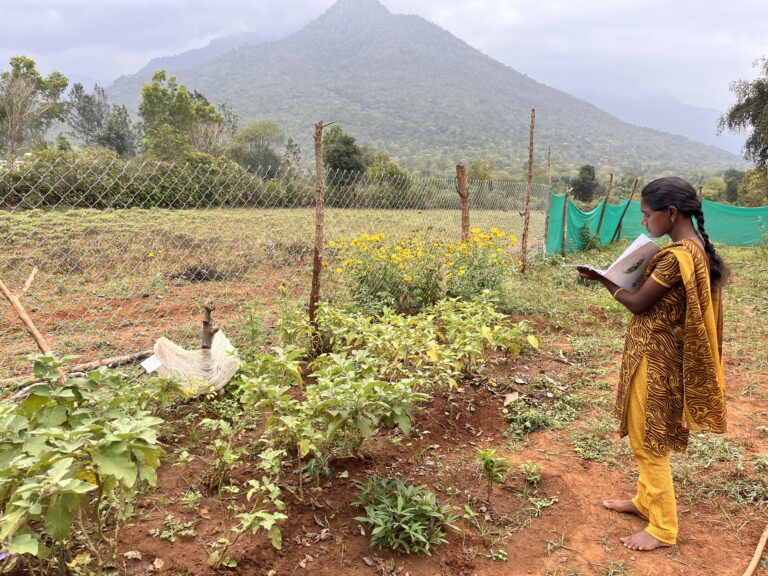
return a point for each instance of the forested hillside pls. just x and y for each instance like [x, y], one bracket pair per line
[402, 83]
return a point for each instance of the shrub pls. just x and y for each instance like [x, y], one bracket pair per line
[409, 273]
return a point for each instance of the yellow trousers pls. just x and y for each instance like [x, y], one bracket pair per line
[655, 492]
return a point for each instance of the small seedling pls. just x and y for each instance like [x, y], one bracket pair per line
[494, 468]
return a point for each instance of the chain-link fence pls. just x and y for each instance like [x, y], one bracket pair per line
[129, 251]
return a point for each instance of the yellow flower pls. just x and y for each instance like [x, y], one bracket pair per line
[408, 279]
[332, 244]
[338, 270]
[151, 255]
[461, 272]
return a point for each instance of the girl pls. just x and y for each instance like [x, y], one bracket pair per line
[671, 379]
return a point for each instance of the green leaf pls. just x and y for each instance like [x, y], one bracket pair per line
[58, 520]
[276, 537]
[23, 544]
[533, 341]
[115, 460]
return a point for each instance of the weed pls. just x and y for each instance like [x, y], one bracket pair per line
[555, 545]
[616, 568]
[760, 463]
[705, 450]
[591, 447]
[531, 472]
[173, 528]
[539, 504]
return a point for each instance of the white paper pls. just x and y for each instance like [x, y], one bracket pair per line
[151, 364]
[627, 270]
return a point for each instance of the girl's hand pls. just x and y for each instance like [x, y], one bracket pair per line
[587, 273]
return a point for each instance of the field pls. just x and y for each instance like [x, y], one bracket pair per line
[101, 292]
[112, 282]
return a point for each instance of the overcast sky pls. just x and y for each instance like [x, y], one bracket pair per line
[688, 49]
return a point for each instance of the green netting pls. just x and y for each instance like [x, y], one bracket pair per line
[725, 224]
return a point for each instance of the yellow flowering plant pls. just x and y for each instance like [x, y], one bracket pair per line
[407, 273]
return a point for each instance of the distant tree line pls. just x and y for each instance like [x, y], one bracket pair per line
[176, 124]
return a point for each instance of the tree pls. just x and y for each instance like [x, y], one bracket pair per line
[292, 155]
[170, 114]
[254, 147]
[87, 112]
[383, 168]
[733, 179]
[29, 104]
[62, 142]
[97, 123]
[714, 189]
[750, 112]
[585, 185]
[119, 133]
[754, 188]
[481, 170]
[342, 154]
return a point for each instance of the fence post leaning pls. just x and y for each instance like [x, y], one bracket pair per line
[565, 220]
[317, 259]
[605, 205]
[546, 218]
[528, 193]
[461, 188]
[617, 232]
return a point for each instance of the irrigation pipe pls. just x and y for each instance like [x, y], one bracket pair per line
[758, 553]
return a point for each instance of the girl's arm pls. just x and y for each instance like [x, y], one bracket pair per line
[637, 303]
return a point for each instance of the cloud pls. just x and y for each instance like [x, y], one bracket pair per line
[690, 50]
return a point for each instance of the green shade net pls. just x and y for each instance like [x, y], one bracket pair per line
[725, 224]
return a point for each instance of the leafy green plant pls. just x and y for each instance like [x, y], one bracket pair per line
[264, 515]
[591, 447]
[531, 472]
[525, 419]
[223, 451]
[402, 517]
[72, 456]
[172, 528]
[493, 468]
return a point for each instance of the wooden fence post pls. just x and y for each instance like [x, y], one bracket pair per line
[209, 330]
[529, 192]
[565, 220]
[617, 232]
[549, 165]
[461, 188]
[317, 260]
[546, 219]
[605, 205]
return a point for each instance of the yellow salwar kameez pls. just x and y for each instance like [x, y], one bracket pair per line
[671, 378]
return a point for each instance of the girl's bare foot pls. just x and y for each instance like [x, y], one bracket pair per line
[642, 542]
[623, 506]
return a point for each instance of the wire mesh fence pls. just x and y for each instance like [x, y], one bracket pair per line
[129, 251]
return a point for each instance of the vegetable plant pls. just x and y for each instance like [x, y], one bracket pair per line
[402, 517]
[72, 457]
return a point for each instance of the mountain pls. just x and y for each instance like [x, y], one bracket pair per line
[401, 83]
[197, 56]
[669, 114]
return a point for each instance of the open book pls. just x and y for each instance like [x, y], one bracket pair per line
[627, 270]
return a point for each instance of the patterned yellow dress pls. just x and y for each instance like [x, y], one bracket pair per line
[680, 338]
